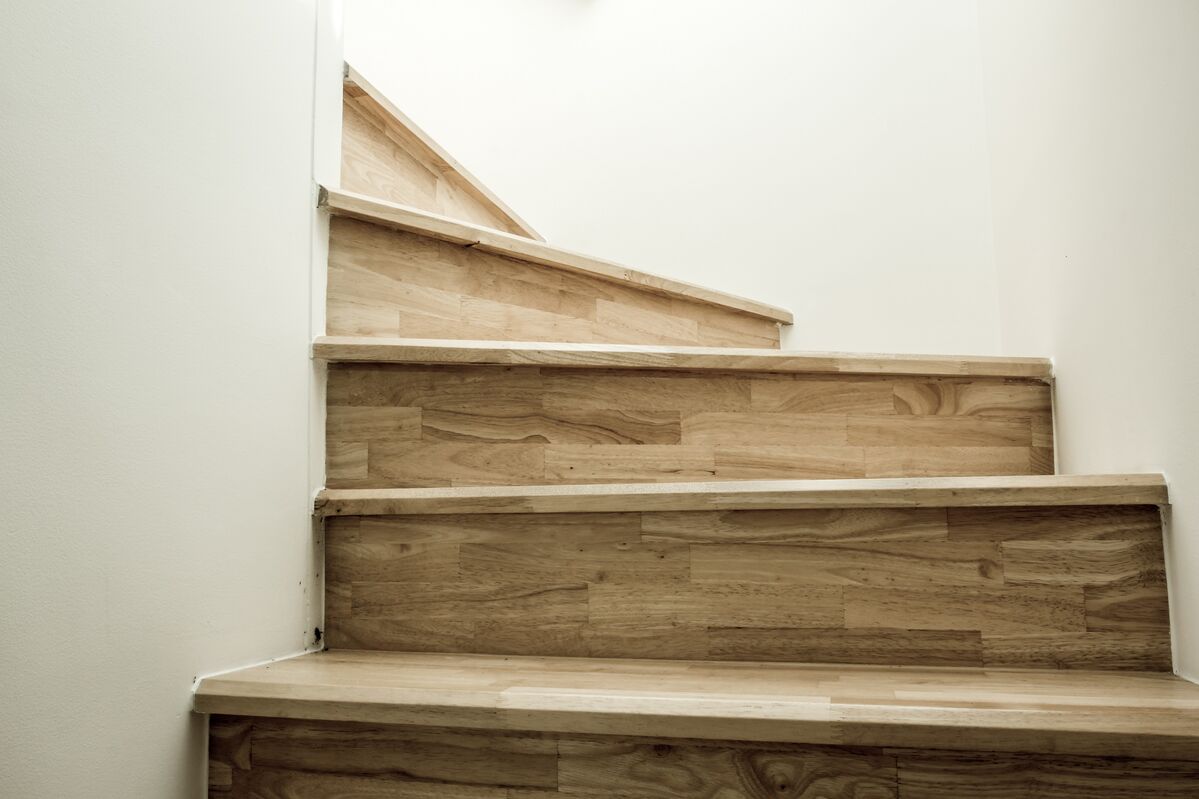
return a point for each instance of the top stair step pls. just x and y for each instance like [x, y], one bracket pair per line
[385, 154]
[413, 220]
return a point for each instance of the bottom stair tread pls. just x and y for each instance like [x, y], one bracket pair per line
[1145, 715]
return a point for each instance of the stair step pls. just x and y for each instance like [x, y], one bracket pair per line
[1066, 712]
[385, 154]
[367, 349]
[1040, 572]
[407, 413]
[413, 220]
[943, 492]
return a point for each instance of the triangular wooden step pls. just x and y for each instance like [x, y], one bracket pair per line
[367, 349]
[385, 154]
[519, 248]
[1068, 712]
[913, 492]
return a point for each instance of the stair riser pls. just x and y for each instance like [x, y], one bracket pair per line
[412, 426]
[1078, 587]
[255, 757]
[385, 282]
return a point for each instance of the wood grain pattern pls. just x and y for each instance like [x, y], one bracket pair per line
[1064, 588]
[404, 218]
[1095, 713]
[391, 283]
[492, 425]
[1022, 496]
[384, 154]
[393, 762]
[864, 397]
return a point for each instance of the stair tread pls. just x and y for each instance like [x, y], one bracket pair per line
[1074, 712]
[428, 150]
[903, 492]
[414, 220]
[367, 349]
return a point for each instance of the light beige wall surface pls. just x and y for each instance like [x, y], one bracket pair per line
[824, 155]
[1094, 147]
[156, 223]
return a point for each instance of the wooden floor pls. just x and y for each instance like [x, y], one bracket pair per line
[1067, 713]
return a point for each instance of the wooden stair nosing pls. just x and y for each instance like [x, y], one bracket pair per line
[438, 155]
[1064, 712]
[414, 220]
[366, 349]
[941, 492]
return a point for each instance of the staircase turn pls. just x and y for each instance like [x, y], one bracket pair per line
[589, 532]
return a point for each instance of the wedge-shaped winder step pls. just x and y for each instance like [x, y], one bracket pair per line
[406, 413]
[384, 154]
[395, 270]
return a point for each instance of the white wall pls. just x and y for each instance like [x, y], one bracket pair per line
[156, 217]
[824, 155]
[1094, 146]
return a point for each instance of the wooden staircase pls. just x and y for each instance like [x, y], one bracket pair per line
[589, 532]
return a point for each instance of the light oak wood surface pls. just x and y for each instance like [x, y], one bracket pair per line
[1050, 587]
[257, 758]
[1077, 713]
[527, 425]
[385, 282]
[414, 220]
[385, 154]
[922, 492]
[367, 349]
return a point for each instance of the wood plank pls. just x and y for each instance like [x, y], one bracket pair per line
[921, 461]
[1133, 521]
[1094, 563]
[420, 755]
[942, 492]
[732, 604]
[1017, 610]
[481, 601]
[1070, 713]
[840, 645]
[415, 220]
[764, 429]
[811, 526]
[947, 775]
[1122, 650]
[945, 398]
[930, 431]
[904, 563]
[450, 187]
[606, 768]
[771, 396]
